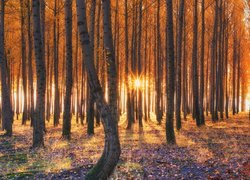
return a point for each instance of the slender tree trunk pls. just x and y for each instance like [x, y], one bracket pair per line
[196, 107]
[179, 62]
[41, 78]
[213, 60]
[108, 44]
[24, 74]
[90, 100]
[158, 67]
[202, 118]
[140, 65]
[234, 72]
[42, 21]
[238, 76]
[7, 114]
[128, 105]
[170, 75]
[30, 69]
[69, 79]
[57, 93]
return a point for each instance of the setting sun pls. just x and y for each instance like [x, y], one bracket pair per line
[137, 83]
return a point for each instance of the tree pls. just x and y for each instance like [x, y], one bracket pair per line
[55, 41]
[128, 105]
[195, 79]
[110, 156]
[170, 75]
[202, 59]
[90, 100]
[30, 69]
[140, 64]
[179, 62]
[24, 74]
[69, 78]
[110, 57]
[7, 114]
[41, 78]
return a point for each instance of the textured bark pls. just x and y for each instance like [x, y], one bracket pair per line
[110, 156]
[128, 105]
[213, 61]
[140, 65]
[185, 68]
[202, 59]
[196, 107]
[30, 68]
[69, 79]
[110, 58]
[179, 62]
[234, 73]
[7, 114]
[226, 72]
[41, 78]
[23, 52]
[57, 93]
[238, 76]
[90, 100]
[42, 22]
[158, 73]
[170, 75]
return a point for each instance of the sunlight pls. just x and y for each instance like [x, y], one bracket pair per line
[137, 83]
[248, 103]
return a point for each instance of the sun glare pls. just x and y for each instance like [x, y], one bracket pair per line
[137, 83]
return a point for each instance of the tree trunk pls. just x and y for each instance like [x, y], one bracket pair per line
[170, 75]
[57, 93]
[69, 78]
[202, 118]
[24, 74]
[196, 107]
[140, 65]
[7, 114]
[41, 78]
[90, 100]
[128, 105]
[110, 156]
[179, 62]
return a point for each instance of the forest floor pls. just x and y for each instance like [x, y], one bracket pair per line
[217, 151]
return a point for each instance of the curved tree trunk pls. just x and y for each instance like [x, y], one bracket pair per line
[110, 157]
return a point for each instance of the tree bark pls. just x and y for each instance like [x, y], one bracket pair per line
[23, 52]
[57, 93]
[202, 59]
[41, 78]
[7, 114]
[69, 78]
[179, 62]
[196, 107]
[170, 75]
[110, 156]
